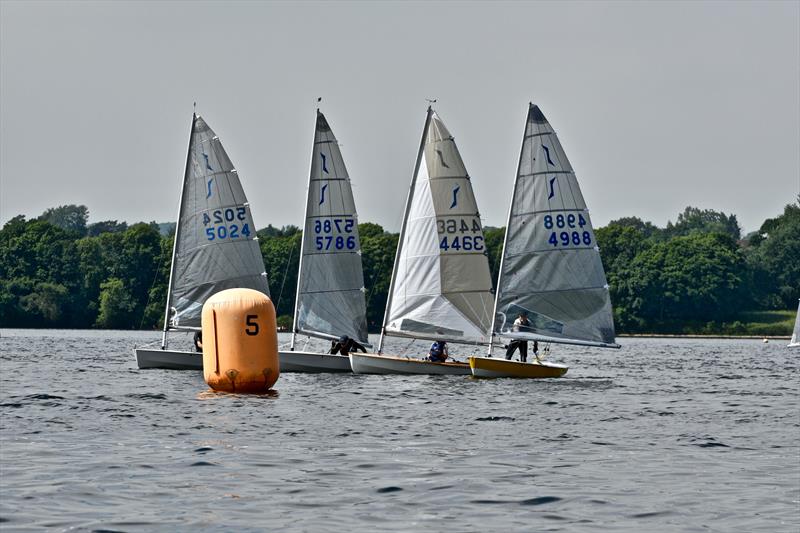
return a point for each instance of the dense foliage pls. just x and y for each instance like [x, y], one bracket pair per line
[696, 275]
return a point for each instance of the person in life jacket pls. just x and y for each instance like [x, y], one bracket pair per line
[345, 345]
[438, 352]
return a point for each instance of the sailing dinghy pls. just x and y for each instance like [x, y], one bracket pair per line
[795, 342]
[330, 284]
[215, 247]
[550, 268]
[441, 287]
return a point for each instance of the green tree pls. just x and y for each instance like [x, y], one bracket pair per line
[695, 220]
[774, 260]
[619, 245]
[281, 252]
[694, 277]
[648, 230]
[106, 226]
[494, 248]
[377, 256]
[47, 302]
[157, 296]
[69, 217]
[116, 306]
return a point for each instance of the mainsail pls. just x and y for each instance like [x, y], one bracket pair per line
[330, 287]
[216, 247]
[551, 268]
[796, 333]
[441, 285]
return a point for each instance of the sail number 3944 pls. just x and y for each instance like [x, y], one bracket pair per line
[225, 224]
[566, 223]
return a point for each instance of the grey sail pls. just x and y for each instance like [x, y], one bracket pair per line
[441, 284]
[551, 266]
[330, 301]
[215, 242]
[796, 333]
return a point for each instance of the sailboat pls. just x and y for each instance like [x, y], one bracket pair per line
[795, 342]
[441, 287]
[550, 269]
[215, 247]
[330, 284]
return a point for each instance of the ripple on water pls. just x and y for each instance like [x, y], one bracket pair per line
[364, 454]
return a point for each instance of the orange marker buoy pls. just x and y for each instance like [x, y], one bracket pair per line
[240, 341]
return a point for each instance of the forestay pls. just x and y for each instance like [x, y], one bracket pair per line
[551, 265]
[215, 244]
[441, 284]
[331, 299]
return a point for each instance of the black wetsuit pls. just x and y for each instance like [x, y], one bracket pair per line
[345, 346]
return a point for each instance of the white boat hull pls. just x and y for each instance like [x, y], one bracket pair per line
[488, 367]
[297, 361]
[362, 363]
[169, 359]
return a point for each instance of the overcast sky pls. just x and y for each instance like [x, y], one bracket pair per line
[658, 105]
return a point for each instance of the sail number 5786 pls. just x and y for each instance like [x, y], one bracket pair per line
[335, 234]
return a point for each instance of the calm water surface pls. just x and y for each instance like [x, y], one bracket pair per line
[663, 435]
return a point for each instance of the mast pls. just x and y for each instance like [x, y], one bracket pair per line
[508, 225]
[403, 227]
[303, 235]
[177, 233]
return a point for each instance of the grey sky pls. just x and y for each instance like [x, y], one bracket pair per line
[658, 105]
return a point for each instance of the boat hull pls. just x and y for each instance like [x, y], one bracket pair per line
[169, 359]
[311, 362]
[486, 367]
[383, 364]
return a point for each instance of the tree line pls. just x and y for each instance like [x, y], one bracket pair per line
[698, 274]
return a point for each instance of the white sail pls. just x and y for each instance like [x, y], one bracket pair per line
[551, 266]
[215, 239]
[796, 333]
[330, 289]
[441, 285]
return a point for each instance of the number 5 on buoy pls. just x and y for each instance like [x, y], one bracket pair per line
[240, 348]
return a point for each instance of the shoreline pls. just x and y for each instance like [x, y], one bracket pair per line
[709, 336]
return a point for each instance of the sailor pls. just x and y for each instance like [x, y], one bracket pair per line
[521, 323]
[198, 341]
[345, 345]
[438, 352]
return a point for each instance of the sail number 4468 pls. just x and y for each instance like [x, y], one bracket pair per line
[225, 224]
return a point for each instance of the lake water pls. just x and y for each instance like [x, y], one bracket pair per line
[662, 435]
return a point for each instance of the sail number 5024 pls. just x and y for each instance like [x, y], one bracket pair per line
[567, 222]
[335, 234]
[225, 224]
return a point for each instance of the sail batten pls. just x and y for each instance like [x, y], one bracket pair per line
[215, 240]
[330, 286]
[441, 285]
[551, 269]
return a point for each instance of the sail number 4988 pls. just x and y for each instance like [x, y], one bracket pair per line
[567, 222]
[225, 225]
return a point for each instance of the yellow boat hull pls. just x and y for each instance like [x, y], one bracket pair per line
[486, 367]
